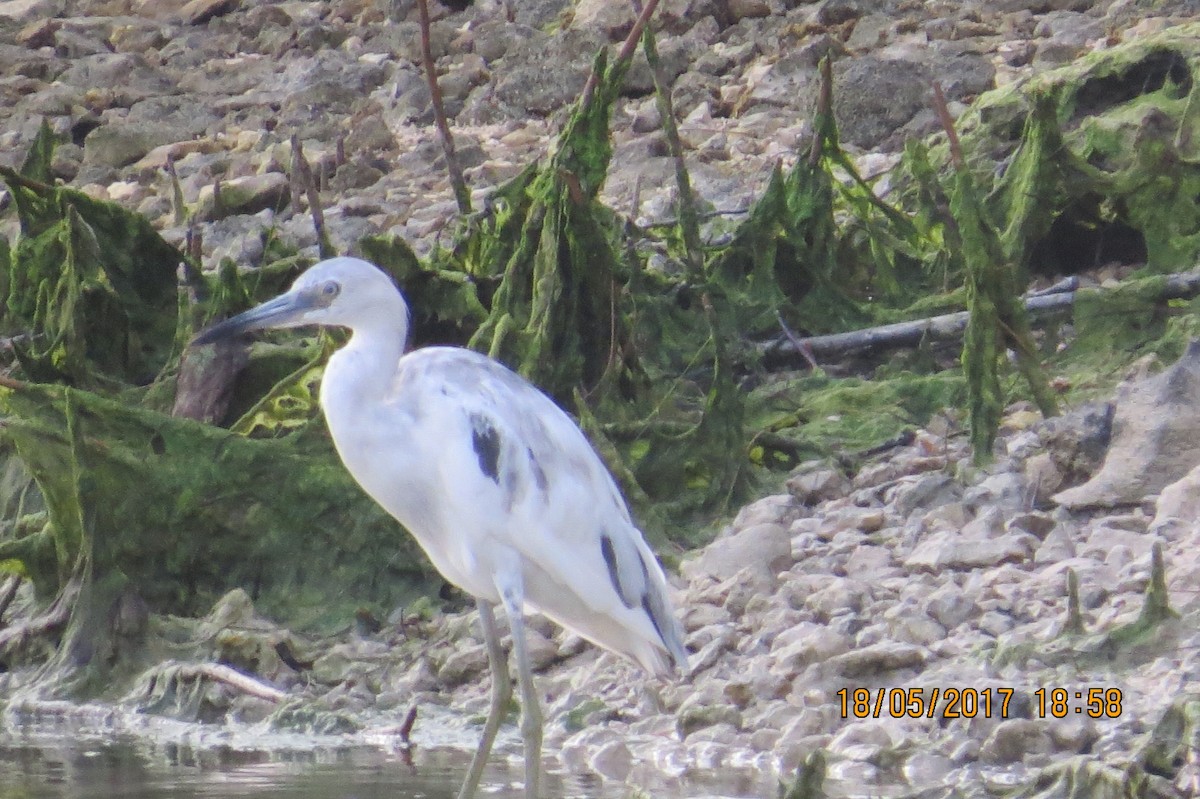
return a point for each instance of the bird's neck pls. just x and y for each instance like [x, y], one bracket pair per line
[362, 372]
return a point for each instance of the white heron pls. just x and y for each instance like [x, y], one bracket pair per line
[498, 485]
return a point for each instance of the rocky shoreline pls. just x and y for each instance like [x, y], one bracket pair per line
[220, 87]
[917, 573]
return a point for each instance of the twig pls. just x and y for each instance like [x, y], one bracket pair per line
[218, 672]
[302, 172]
[801, 347]
[1066, 284]
[943, 112]
[824, 109]
[627, 48]
[218, 211]
[406, 728]
[457, 182]
[54, 618]
[688, 224]
[8, 594]
[178, 206]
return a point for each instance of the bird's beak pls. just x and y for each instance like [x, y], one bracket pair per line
[286, 310]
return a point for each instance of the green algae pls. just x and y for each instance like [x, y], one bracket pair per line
[818, 416]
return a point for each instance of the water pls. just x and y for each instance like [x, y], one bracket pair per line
[101, 759]
[39, 766]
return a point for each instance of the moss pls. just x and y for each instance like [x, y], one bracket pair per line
[1120, 319]
[810, 779]
[825, 416]
[180, 512]
[89, 281]
[1127, 116]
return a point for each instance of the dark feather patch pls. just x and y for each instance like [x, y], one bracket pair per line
[649, 608]
[539, 475]
[610, 560]
[485, 440]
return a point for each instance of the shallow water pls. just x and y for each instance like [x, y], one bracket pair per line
[46, 768]
[90, 761]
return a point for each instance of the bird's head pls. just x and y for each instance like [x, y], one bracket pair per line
[341, 292]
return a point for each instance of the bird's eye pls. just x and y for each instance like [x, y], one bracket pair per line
[330, 289]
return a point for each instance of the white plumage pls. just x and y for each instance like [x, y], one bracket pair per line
[496, 482]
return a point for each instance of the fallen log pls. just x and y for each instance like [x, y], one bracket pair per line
[785, 351]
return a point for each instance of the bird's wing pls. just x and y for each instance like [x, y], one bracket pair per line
[522, 470]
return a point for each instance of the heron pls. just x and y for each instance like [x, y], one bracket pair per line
[498, 485]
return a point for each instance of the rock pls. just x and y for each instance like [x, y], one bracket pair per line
[871, 521]
[1179, 501]
[1013, 740]
[39, 33]
[546, 73]
[711, 652]
[869, 560]
[924, 492]
[1073, 734]
[542, 650]
[1058, 545]
[24, 12]
[776, 84]
[612, 761]
[950, 551]
[1156, 438]
[926, 768]
[762, 549]
[245, 195]
[812, 488]
[839, 595]
[198, 12]
[743, 9]
[805, 644]
[1034, 523]
[950, 607]
[777, 508]
[1078, 440]
[235, 609]
[1006, 490]
[877, 96]
[578, 750]
[1043, 477]
[836, 12]
[463, 665]
[697, 716]
[334, 667]
[877, 659]
[870, 32]
[119, 145]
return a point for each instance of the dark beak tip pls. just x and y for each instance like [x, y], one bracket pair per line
[215, 334]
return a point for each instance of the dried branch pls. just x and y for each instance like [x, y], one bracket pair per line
[178, 206]
[1183, 285]
[302, 176]
[689, 224]
[8, 594]
[943, 112]
[626, 53]
[457, 182]
[219, 672]
[824, 109]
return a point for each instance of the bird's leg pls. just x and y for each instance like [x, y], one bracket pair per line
[512, 596]
[501, 694]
